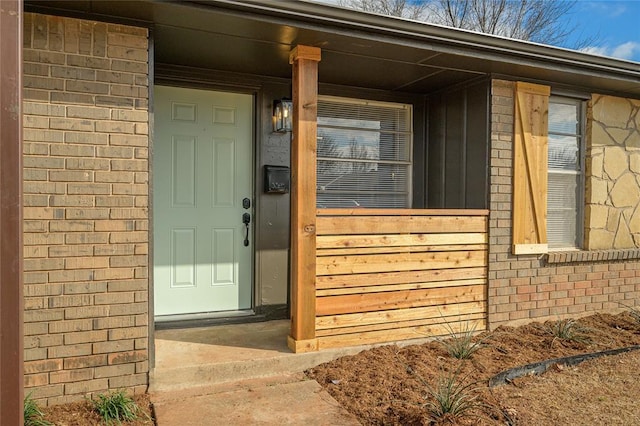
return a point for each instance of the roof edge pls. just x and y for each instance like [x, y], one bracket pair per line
[314, 12]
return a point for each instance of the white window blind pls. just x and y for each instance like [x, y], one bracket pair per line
[364, 154]
[565, 177]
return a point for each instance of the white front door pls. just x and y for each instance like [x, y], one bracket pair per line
[202, 184]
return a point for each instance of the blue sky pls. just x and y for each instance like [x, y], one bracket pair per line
[615, 23]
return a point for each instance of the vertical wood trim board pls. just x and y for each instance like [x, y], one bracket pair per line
[11, 215]
[530, 168]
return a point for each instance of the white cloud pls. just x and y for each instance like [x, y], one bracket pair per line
[609, 8]
[594, 50]
[617, 11]
[626, 50]
[623, 51]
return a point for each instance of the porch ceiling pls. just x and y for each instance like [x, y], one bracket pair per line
[357, 49]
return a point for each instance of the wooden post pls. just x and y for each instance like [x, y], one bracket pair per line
[303, 198]
[11, 302]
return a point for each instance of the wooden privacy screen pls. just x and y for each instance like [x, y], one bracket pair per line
[530, 168]
[387, 275]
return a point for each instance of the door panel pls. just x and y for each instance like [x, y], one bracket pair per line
[183, 258]
[183, 179]
[224, 174]
[224, 242]
[203, 162]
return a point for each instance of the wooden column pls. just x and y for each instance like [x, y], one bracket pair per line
[11, 302]
[303, 198]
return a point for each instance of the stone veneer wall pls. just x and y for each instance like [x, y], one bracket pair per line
[85, 207]
[534, 287]
[613, 173]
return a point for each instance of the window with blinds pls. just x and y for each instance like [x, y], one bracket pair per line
[364, 154]
[566, 173]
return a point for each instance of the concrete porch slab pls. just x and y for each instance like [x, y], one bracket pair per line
[201, 357]
[242, 374]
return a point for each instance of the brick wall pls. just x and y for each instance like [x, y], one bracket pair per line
[85, 207]
[533, 287]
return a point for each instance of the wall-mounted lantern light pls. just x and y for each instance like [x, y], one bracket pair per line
[282, 115]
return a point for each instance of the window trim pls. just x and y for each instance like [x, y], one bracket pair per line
[409, 163]
[581, 104]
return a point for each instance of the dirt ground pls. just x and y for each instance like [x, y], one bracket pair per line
[82, 414]
[388, 385]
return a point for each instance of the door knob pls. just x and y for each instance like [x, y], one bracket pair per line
[246, 219]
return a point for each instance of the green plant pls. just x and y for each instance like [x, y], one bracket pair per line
[32, 414]
[115, 407]
[452, 398]
[634, 312]
[569, 330]
[461, 345]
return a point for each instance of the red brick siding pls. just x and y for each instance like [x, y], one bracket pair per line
[529, 287]
[85, 207]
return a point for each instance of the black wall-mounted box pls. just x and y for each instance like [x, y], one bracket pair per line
[276, 179]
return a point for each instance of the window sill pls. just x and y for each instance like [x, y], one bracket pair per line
[592, 255]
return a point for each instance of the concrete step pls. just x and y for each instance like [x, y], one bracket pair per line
[188, 376]
[220, 388]
[281, 400]
[200, 357]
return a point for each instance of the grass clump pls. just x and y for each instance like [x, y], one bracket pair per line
[33, 416]
[568, 330]
[115, 407]
[461, 345]
[452, 398]
[634, 312]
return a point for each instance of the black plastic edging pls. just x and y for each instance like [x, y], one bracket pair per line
[542, 366]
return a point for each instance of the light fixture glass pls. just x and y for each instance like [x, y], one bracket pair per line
[282, 115]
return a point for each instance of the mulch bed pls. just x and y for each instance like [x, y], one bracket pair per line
[388, 385]
[82, 413]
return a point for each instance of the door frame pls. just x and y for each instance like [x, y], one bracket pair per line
[178, 78]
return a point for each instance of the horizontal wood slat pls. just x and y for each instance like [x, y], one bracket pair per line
[332, 305]
[402, 212]
[405, 277]
[395, 240]
[451, 312]
[390, 250]
[418, 322]
[398, 287]
[394, 335]
[353, 225]
[387, 275]
[399, 262]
